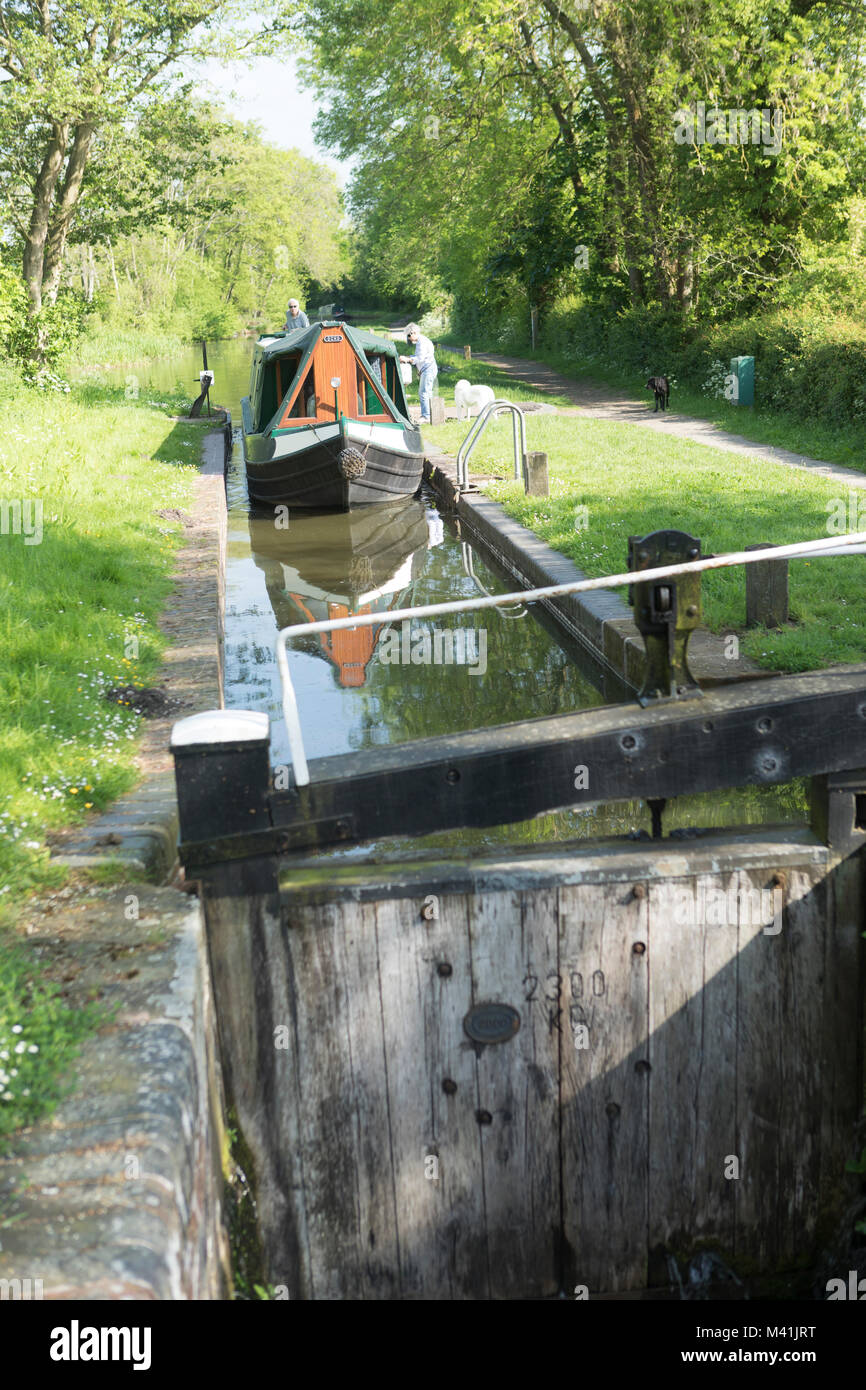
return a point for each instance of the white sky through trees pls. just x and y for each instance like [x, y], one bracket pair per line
[267, 90]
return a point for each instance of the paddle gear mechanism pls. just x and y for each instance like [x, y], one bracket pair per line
[666, 613]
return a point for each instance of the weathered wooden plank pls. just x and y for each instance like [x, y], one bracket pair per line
[512, 944]
[254, 996]
[675, 1053]
[343, 1101]
[761, 732]
[543, 1035]
[841, 1045]
[762, 1032]
[526, 868]
[800, 951]
[752, 1036]
[426, 981]
[693, 944]
[716, 1096]
[604, 1086]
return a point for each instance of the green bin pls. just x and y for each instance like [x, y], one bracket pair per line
[743, 368]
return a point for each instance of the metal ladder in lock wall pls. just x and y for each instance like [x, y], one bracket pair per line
[482, 420]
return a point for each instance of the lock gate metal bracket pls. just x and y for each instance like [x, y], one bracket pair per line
[666, 613]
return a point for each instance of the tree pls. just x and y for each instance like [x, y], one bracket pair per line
[76, 70]
[601, 82]
[202, 244]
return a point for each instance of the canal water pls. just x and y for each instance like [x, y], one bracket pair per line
[399, 681]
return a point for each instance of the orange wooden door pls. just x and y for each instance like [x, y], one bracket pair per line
[335, 359]
[334, 356]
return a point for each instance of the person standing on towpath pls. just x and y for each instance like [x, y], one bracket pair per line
[425, 362]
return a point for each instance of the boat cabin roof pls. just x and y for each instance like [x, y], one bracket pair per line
[291, 375]
[275, 344]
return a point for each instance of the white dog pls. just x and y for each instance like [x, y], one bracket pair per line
[468, 397]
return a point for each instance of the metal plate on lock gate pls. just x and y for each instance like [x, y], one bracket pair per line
[491, 1023]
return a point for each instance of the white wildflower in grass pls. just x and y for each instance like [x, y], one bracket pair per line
[716, 380]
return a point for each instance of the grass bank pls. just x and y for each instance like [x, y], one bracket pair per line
[610, 481]
[102, 347]
[452, 367]
[838, 442]
[834, 443]
[85, 569]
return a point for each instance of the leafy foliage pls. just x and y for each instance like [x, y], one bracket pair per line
[494, 140]
[48, 336]
[240, 238]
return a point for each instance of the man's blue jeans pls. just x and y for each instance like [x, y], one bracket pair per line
[426, 383]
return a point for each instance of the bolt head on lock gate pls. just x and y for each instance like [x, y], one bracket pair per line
[666, 613]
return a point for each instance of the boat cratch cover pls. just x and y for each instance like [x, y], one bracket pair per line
[311, 443]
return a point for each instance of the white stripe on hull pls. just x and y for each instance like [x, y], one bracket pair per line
[384, 436]
[288, 444]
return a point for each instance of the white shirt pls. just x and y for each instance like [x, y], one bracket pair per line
[424, 354]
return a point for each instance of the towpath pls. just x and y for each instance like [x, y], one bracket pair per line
[600, 402]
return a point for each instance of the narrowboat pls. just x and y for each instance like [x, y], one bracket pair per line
[326, 424]
[328, 566]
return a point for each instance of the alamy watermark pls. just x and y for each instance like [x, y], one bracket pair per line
[855, 1289]
[22, 516]
[445, 647]
[729, 126]
[756, 907]
[23, 1289]
[846, 515]
[77, 1343]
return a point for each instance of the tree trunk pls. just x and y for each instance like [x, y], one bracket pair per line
[64, 211]
[625, 211]
[563, 120]
[629, 141]
[113, 267]
[685, 273]
[642, 159]
[227, 297]
[629, 215]
[37, 232]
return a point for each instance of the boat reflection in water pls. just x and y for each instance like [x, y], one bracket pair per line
[335, 565]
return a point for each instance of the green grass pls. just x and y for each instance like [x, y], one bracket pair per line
[39, 1037]
[78, 611]
[452, 366]
[632, 482]
[114, 346]
[839, 443]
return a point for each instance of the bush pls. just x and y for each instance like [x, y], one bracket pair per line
[809, 362]
[13, 305]
[39, 343]
[208, 317]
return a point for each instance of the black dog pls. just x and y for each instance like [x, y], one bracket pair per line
[662, 388]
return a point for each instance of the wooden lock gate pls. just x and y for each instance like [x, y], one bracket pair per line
[563, 1066]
